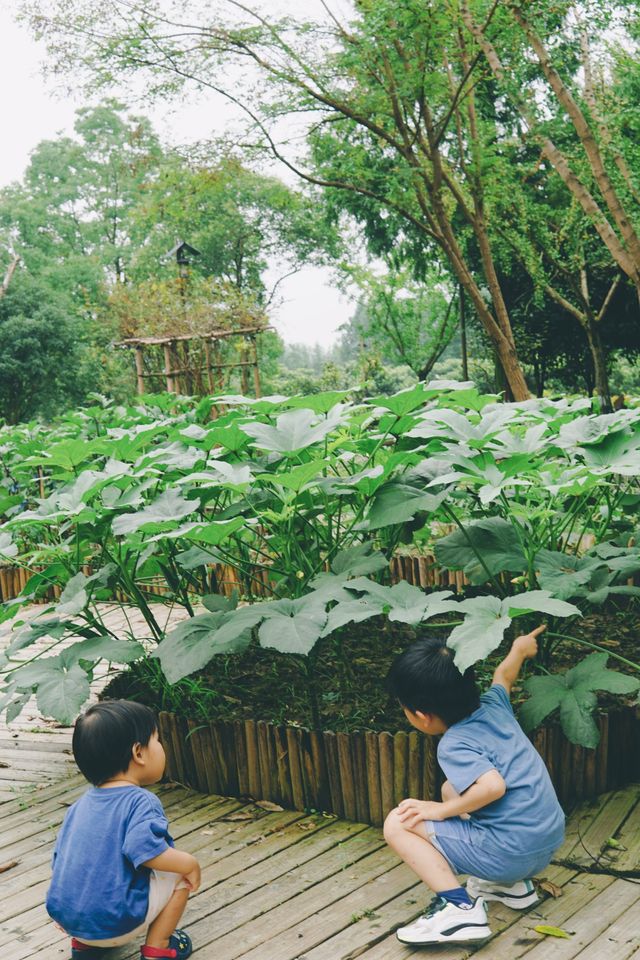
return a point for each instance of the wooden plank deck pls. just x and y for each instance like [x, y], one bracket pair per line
[283, 885]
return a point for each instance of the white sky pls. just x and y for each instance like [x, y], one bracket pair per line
[312, 309]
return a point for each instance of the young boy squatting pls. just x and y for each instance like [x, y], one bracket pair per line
[499, 820]
[116, 873]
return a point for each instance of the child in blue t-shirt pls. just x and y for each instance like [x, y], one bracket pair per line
[116, 873]
[499, 819]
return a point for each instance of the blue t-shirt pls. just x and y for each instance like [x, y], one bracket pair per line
[528, 818]
[99, 888]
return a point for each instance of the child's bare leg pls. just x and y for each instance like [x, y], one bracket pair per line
[166, 922]
[450, 793]
[417, 851]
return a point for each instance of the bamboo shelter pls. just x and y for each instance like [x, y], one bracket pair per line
[192, 363]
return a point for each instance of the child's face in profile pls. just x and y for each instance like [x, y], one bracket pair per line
[153, 760]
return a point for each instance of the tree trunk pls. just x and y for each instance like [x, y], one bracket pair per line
[8, 276]
[601, 373]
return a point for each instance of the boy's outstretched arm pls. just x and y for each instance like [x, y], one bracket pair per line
[523, 648]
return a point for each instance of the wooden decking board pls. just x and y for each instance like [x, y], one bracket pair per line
[301, 935]
[620, 942]
[618, 901]
[240, 923]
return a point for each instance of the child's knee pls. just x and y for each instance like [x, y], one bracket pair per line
[393, 825]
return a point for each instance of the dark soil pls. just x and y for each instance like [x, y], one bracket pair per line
[347, 678]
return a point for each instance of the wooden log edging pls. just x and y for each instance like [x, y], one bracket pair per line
[361, 776]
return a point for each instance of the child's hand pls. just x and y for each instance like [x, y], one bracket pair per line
[413, 812]
[527, 644]
[192, 879]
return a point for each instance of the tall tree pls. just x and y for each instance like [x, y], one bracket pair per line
[387, 121]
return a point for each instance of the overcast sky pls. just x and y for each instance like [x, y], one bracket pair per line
[313, 309]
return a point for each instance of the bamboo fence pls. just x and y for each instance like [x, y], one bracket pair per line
[362, 776]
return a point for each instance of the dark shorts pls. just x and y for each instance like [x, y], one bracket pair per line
[468, 849]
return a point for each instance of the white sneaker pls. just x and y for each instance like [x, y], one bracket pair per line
[445, 922]
[518, 896]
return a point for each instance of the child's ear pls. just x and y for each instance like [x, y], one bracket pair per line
[425, 717]
[136, 754]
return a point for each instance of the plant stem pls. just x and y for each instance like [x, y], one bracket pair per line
[595, 646]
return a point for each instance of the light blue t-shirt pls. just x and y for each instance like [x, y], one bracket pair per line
[99, 888]
[528, 818]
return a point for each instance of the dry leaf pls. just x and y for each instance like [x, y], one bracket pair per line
[553, 932]
[550, 887]
[3, 764]
[208, 833]
[308, 825]
[7, 866]
[330, 816]
[267, 805]
[240, 815]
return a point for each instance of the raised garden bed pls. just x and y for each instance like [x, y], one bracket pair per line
[361, 776]
[364, 760]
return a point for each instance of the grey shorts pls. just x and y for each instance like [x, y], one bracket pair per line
[468, 849]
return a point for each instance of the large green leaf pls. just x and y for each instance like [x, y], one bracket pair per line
[358, 560]
[352, 611]
[295, 430]
[296, 478]
[8, 548]
[494, 540]
[539, 601]
[481, 632]
[62, 692]
[546, 695]
[165, 512]
[112, 649]
[319, 402]
[194, 642]
[74, 597]
[564, 574]
[398, 502]
[292, 626]
[574, 692]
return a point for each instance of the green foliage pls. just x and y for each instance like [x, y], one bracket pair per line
[574, 694]
[309, 497]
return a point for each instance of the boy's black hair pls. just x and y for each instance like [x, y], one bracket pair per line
[104, 737]
[425, 678]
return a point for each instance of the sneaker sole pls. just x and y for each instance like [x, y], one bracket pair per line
[522, 902]
[456, 936]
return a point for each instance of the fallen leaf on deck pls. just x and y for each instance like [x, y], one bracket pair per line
[267, 805]
[3, 764]
[612, 842]
[240, 815]
[330, 816]
[7, 866]
[550, 887]
[309, 825]
[553, 932]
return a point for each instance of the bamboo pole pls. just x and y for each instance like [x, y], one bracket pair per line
[295, 768]
[139, 369]
[372, 759]
[360, 777]
[256, 366]
[241, 758]
[320, 766]
[263, 758]
[168, 366]
[385, 746]
[333, 770]
[400, 767]
[253, 760]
